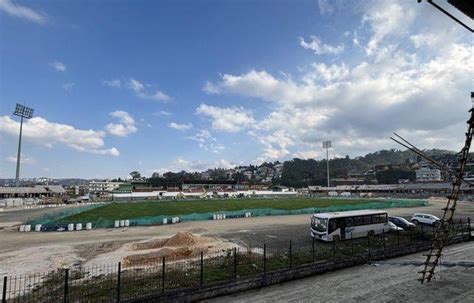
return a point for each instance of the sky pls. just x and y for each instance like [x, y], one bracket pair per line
[154, 86]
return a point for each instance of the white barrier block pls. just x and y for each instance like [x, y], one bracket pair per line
[79, 226]
[70, 227]
[22, 228]
[117, 223]
[214, 217]
[88, 226]
[122, 223]
[223, 216]
[38, 227]
[27, 228]
[165, 220]
[127, 223]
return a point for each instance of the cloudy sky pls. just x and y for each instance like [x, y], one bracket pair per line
[170, 85]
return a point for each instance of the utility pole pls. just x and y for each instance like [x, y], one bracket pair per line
[24, 113]
[327, 145]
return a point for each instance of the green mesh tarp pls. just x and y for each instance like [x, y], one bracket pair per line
[54, 216]
[255, 212]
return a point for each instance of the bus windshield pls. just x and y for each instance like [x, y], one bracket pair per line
[320, 224]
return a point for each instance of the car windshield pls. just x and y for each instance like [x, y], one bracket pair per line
[402, 220]
[319, 224]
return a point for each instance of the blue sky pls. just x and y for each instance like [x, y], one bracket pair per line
[171, 85]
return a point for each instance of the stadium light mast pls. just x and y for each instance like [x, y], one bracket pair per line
[327, 145]
[24, 113]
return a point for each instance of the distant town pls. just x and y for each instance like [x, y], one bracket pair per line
[393, 172]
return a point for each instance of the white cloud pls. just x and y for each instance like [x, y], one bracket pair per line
[162, 113]
[390, 19]
[394, 88]
[320, 48]
[24, 159]
[141, 91]
[58, 66]
[230, 119]
[125, 127]
[181, 127]
[68, 86]
[43, 132]
[181, 164]
[325, 7]
[22, 12]
[114, 83]
[206, 141]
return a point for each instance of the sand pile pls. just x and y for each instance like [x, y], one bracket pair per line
[181, 239]
[180, 246]
[186, 239]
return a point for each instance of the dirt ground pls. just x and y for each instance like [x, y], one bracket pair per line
[393, 280]
[34, 252]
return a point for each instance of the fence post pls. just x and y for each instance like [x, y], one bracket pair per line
[352, 245]
[368, 247]
[333, 249]
[201, 274]
[4, 292]
[163, 275]
[235, 263]
[383, 239]
[312, 250]
[264, 260]
[66, 285]
[469, 228]
[291, 256]
[119, 277]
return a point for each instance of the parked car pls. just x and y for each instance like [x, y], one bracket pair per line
[393, 228]
[401, 222]
[425, 219]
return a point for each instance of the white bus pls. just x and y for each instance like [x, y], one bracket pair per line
[347, 224]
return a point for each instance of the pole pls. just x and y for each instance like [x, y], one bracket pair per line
[235, 263]
[4, 292]
[327, 164]
[119, 276]
[66, 285]
[163, 275]
[201, 275]
[291, 257]
[312, 250]
[17, 179]
[469, 228]
[264, 260]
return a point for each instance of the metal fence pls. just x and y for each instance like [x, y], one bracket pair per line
[162, 275]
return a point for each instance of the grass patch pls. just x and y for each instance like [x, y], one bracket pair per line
[117, 211]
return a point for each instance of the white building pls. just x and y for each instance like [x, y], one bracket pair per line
[103, 186]
[426, 174]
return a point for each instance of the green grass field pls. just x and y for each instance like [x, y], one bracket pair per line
[116, 211]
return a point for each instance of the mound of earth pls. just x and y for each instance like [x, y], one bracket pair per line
[186, 239]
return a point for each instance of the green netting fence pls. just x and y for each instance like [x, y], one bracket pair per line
[55, 216]
[50, 224]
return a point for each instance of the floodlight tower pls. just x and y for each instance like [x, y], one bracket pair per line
[327, 145]
[24, 113]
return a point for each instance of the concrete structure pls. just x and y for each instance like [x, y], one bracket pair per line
[103, 187]
[426, 174]
[19, 196]
[407, 190]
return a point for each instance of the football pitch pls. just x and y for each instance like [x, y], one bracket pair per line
[135, 210]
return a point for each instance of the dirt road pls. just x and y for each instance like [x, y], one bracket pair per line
[393, 280]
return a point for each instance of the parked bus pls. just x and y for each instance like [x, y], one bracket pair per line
[346, 224]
